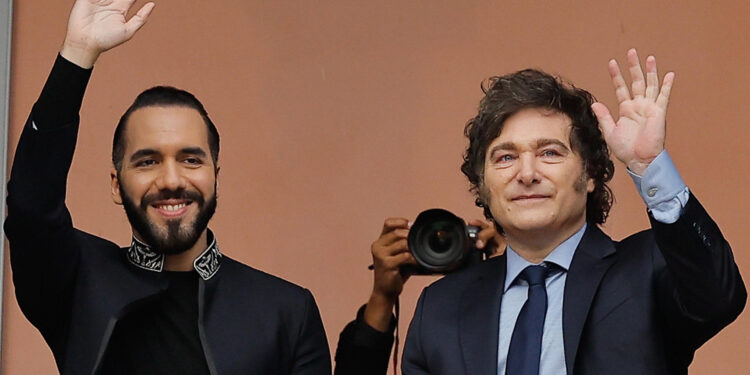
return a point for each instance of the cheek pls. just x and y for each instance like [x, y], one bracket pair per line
[134, 187]
[205, 183]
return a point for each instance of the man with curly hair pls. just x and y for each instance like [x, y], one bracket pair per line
[565, 298]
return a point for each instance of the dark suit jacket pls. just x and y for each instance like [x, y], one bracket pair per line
[74, 286]
[639, 306]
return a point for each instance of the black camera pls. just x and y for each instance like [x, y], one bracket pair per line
[441, 242]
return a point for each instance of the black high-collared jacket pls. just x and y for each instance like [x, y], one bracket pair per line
[74, 286]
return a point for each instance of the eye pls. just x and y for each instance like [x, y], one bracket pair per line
[192, 160]
[503, 160]
[145, 163]
[550, 153]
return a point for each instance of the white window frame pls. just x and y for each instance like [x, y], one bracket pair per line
[6, 23]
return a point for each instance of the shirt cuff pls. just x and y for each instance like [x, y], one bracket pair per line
[662, 189]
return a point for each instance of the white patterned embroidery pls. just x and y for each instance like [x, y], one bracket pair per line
[207, 264]
[141, 255]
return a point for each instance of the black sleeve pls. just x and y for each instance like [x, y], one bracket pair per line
[363, 349]
[40, 232]
[701, 288]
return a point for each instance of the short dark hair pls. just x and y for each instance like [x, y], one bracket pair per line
[530, 88]
[163, 96]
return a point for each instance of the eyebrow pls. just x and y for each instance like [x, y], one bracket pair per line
[143, 153]
[550, 141]
[194, 151]
[197, 151]
[510, 146]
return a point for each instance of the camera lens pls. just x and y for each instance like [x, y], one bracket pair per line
[441, 239]
[438, 240]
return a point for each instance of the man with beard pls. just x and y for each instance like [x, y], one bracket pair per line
[170, 303]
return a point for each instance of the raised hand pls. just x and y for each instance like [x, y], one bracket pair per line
[637, 137]
[96, 26]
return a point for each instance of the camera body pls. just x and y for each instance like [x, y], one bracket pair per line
[441, 242]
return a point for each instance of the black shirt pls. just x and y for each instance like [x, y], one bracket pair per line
[160, 335]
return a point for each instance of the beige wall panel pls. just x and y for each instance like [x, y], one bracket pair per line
[337, 114]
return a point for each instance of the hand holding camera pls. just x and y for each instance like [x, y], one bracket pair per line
[437, 236]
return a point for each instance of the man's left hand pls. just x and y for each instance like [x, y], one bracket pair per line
[637, 137]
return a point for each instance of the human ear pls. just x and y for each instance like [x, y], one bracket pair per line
[114, 180]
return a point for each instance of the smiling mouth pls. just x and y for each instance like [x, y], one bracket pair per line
[172, 209]
[529, 198]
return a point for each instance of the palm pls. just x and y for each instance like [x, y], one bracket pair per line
[100, 24]
[638, 135]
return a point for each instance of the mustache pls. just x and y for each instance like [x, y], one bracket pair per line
[171, 194]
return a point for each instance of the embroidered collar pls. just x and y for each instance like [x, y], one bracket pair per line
[143, 256]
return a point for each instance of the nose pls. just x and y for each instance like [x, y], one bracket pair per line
[170, 177]
[528, 172]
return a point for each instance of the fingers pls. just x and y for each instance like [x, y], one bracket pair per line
[401, 259]
[666, 87]
[392, 223]
[391, 243]
[392, 257]
[138, 20]
[636, 74]
[606, 122]
[488, 237]
[621, 88]
[485, 236]
[393, 236]
[652, 78]
[647, 87]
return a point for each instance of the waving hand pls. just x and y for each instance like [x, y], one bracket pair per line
[637, 137]
[96, 26]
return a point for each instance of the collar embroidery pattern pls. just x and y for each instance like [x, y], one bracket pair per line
[207, 264]
[141, 255]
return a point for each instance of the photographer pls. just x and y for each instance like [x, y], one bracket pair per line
[365, 343]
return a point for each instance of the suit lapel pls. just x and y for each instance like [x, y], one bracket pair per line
[591, 261]
[479, 313]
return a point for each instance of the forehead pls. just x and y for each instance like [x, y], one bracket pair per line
[532, 124]
[160, 127]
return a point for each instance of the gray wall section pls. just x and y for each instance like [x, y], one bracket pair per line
[6, 18]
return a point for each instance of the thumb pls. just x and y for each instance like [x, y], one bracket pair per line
[138, 20]
[606, 122]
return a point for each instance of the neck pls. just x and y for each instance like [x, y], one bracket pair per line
[184, 260]
[535, 245]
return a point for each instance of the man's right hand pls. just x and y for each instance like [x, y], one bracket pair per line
[389, 253]
[96, 26]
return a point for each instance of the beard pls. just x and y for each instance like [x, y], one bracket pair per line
[178, 236]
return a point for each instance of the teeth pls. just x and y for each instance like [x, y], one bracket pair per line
[172, 207]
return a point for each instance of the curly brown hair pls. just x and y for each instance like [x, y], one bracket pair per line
[530, 88]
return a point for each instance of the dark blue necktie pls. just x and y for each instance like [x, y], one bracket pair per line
[526, 342]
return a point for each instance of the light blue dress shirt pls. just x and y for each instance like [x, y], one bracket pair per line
[665, 195]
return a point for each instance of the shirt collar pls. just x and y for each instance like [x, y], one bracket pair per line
[143, 256]
[562, 255]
